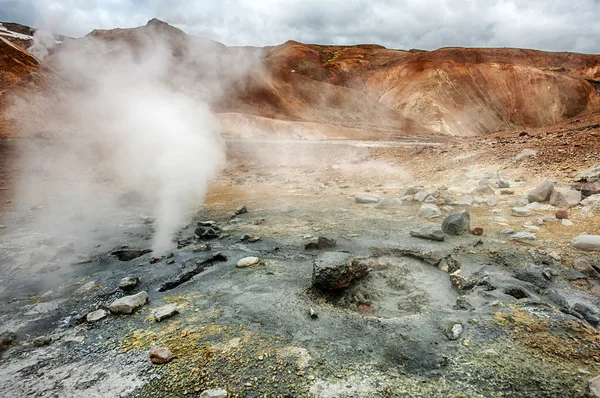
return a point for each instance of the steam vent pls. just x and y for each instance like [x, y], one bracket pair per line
[189, 209]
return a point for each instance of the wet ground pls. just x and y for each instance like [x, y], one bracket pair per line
[250, 331]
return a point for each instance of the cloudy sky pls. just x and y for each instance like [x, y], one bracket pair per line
[554, 25]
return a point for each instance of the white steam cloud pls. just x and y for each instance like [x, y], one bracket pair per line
[128, 115]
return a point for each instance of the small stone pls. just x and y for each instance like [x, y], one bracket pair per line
[566, 223]
[520, 212]
[525, 154]
[590, 174]
[366, 198]
[457, 223]
[407, 198]
[589, 314]
[466, 200]
[592, 201]
[582, 265]
[127, 304]
[165, 312]
[253, 239]
[484, 190]
[562, 214]
[388, 203]
[503, 183]
[7, 338]
[507, 231]
[491, 202]
[241, 210]
[170, 261]
[542, 192]
[247, 262]
[587, 242]
[429, 211]
[334, 271]
[42, 341]
[128, 283]
[95, 316]
[320, 243]
[431, 233]
[455, 331]
[2, 226]
[523, 235]
[160, 355]
[214, 393]
[421, 196]
[286, 208]
[505, 191]
[313, 314]
[477, 231]
[565, 198]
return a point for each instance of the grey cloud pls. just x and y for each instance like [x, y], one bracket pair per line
[543, 24]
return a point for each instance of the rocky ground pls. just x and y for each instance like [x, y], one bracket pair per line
[438, 273]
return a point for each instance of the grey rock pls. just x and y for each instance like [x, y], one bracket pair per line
[313, 314]
[95, 316]
[454, 331]
[592, 201]
[457, 223]
[128, 283]
[241, 210]
[430, 199]
[588, 313]
[320, 243]
[429, 211]
[523, 235]
[525, 154]
[366, 198]
[407, 198]
[565, 198]
[286, 208]
[466, 200]
[484, 190]
[336, 270]
[542, 192]
[594, 385]
[520, 212]
[214, 393]
[421, 196]
[7, 338]
[587, 242]
[2, 226]
[582, 265]
[388, 203]
[128, 304]
[534, 275]
[431, 233]
[566, 223]
[591, 188]
[491, 202]
[164, 312]
[413, 189]
[503, 183]
[590, 174]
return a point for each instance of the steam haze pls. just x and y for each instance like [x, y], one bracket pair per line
[131, 129]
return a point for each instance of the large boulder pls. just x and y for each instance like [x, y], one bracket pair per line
[542, 192]
[565, 198]
[128, 304]
[457, 223]
[429, 210]
[334, 271]
[590, 243]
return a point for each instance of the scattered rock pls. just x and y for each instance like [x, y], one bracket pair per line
[208, 230]
[542, 192]
[164, 312]
[320, 243]
[503, 183]
[534, 275]
[413, 189]
[95, 316]
[388, 203]
[2, 226]
[525, 154]
[457, 223]
[313, 314]
[587, 242]
[478, 231]
[523, 235]
[566, 223]
[160, 355]
[429, 211]
[491, 202]
[420, 196]
[128, 283]
[591, 188]
[506, 191]
[591, 174]
[520, 212]
[592, 201]
[366, 198]
[214, 393]
[241, 210]
[562, 214]
[454, 331]
[407, 198]
[336, 270]
[484, 190]
[129, 254]
[431, 233]
[565, 198]
[247, 262]
[128, 304]
[582, 265]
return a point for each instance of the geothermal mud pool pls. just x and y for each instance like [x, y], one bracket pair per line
[468, 316]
